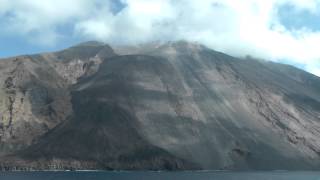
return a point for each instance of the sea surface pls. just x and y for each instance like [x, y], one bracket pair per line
[208, 175]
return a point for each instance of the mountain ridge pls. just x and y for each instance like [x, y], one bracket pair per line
[170, 106]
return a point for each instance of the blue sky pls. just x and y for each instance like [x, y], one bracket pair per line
[295, 20]
[14, 43]
[277, 30]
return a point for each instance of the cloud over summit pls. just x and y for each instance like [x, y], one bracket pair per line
[240, 28]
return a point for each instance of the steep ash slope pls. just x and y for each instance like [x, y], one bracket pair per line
[181, 105]
[246, 113]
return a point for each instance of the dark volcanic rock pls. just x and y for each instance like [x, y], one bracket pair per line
[34, 92]
[171, 106]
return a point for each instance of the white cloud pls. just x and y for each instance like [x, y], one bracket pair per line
[236, 27]
[39, 19]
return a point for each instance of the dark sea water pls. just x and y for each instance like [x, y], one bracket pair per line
[100, 175]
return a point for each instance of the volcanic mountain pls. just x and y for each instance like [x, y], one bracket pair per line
[157, 106]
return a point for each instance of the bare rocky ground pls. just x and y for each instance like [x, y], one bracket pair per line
[170, 106]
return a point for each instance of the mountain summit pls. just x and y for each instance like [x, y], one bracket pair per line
[157, 106]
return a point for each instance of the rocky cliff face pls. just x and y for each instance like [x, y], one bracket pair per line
[177, 105]
[34, 93]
